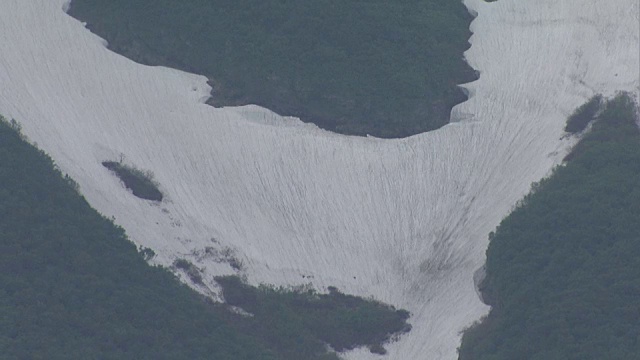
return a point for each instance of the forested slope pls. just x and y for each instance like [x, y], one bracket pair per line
[563, 270]
[73, 286]
[385, 68]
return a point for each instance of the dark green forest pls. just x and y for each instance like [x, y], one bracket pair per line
[563, 269]
[73, 286]
[580, 119]
[384, 68]
[140, 183]
[337, 319]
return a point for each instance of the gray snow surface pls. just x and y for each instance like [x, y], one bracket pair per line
[404, 221]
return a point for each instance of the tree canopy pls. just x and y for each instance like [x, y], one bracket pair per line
[73, 285]
[384, 68]
[563, 269]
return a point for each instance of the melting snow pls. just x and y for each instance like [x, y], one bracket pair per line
[404, 221]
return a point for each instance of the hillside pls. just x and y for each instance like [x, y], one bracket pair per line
[274, 200]
[383, 68]
[72, 283]
[562, 269]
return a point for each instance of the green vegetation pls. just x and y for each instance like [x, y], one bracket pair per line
[339, 320]
[73, 285]
[583, 115]
[384, 68]
[191, 270]
[563, 270]
[140, 182]
[146, 253]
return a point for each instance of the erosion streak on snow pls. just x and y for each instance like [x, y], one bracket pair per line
[405, 221]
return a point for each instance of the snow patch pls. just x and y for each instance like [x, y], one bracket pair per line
[405, 220]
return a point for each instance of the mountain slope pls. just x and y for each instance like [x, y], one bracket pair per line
[72, 283]
[562, 269]
[388, 69]
[404, 221]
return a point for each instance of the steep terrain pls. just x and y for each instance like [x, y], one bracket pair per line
[377, 67]
[562, 269]
[282, 202]
[72, 283]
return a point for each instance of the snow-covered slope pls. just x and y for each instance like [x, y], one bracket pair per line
[404, 221]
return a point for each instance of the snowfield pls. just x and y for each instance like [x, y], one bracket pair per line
[404, 221]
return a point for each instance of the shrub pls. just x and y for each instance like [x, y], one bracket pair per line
[191, 270]
[583, 115]
[147, 253]
[140, 182]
